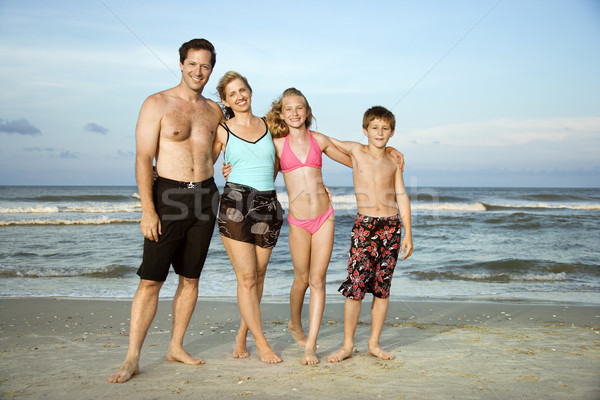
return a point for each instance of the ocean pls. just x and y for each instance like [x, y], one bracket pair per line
[471, 244]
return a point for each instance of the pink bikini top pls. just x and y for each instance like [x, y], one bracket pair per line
[290, 162]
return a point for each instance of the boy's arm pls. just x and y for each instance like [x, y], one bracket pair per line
[403, 204]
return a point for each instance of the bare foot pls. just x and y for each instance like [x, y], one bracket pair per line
[267, 355]
[378, 352]
[180, 355]
[310, 356]
[240, 350]
[127, 370]
[297, 334]
[340, 355]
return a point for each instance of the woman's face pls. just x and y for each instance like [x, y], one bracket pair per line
[293, 111]
[237, 96]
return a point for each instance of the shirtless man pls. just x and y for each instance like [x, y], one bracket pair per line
[177, 128]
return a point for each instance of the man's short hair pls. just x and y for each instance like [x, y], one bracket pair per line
[198, 44]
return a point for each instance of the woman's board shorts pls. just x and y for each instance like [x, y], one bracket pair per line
[187, 212]
[251, 216]
[373, 254]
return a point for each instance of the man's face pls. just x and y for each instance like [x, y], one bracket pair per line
[196, 69]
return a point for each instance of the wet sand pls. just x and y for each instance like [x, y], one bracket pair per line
[66, 348]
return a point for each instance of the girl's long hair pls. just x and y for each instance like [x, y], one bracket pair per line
[276, 124]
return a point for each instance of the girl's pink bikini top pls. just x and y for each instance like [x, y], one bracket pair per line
[290, 162]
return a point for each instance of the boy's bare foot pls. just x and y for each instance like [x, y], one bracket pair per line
[267, 355]
[182, 356]
[340, 355]
[377, 351]
[310, 356]
[127, 370]
[298, 334]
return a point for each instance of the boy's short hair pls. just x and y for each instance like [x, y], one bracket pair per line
[379, 112]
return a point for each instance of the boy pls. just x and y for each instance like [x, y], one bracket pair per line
[380, 195]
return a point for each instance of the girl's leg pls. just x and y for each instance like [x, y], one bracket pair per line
[379, 309]
[243, 259]
[262, 259]
[321, 247]
[300, 250]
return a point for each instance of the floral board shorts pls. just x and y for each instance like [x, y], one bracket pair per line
[373, 254]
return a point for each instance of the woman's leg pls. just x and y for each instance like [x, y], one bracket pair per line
[262, 259]
[299, 242]
[322, 245]
[243, 259]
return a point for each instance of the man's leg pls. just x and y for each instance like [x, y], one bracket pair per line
[184, 303]
[143, 310]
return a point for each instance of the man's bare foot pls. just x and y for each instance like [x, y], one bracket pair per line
[182, 356]
[298, 334]
[127, 370]
[340, 355]
[267, 355]
[377, 351]
[310, 356]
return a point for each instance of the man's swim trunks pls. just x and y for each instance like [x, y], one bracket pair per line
[373, 255]
[251, 216]
[187, 212]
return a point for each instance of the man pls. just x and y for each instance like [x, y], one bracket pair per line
[177, 128]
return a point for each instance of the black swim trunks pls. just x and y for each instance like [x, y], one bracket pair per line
[187, 213]
[373, 255]
[251, 216]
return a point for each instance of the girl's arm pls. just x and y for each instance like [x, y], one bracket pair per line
[332, 151]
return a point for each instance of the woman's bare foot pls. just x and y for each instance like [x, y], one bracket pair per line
[127, 370]
[180, 355]
[298, 334]
[267, 355]
[310, 356]
[340, 355]
[240, 350]
[377, 351]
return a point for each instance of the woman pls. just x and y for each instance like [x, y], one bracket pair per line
[250, 217]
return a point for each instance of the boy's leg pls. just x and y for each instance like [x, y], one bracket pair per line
[351, 315]
[378, 312]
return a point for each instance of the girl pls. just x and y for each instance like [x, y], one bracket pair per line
[311, 216]
[250, 217]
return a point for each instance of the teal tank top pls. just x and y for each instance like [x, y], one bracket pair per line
[252, 163]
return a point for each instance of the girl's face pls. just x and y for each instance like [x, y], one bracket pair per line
[237, 96]
[293, 111]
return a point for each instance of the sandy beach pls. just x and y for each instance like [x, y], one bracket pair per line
[65, 348]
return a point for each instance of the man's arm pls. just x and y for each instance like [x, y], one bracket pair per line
[403, 204]
[146, 143]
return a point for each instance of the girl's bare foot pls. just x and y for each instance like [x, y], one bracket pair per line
[298, 334]
[267, 355]
[340, 355]
[377, 351]
[127, 370]
[180, 355]
[310, 356]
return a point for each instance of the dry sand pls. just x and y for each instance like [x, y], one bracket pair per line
[65, 349]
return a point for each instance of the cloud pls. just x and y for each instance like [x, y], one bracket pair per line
[19, 126]
[37, 149]
[95, 128]
[127, 154]
[68, 155]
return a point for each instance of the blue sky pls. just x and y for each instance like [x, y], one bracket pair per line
[485, 93]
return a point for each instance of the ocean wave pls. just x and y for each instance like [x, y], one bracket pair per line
[110, 271]
[502, 277]
[90, 209]
[549, 206]
[91, 221]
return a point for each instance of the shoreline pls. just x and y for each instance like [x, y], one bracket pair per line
[67, 347]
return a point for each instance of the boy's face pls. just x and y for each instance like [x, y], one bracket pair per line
[378, 132]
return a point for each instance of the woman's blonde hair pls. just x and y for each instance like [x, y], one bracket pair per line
[229, 77]
[276, 124]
